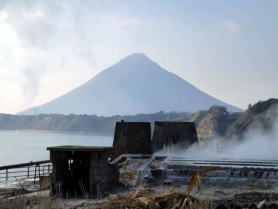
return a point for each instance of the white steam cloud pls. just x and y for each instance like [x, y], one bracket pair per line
[255, 145]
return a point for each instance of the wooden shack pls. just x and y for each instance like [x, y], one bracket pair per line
[82, 171]
[168, 134]
[132, 138]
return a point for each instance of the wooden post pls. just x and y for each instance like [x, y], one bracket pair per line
[35, 174]
[28, 171]
[39, 170]
[7, 174]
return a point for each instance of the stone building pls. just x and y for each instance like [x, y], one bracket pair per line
[82, 171]
[132, 138]
[167, 134]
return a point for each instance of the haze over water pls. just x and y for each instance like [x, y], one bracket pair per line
[25, 146]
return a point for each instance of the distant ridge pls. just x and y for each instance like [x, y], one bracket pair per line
[134, 85]
[261, 116]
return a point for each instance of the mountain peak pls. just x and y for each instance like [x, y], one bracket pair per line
[135, 84]
[136, 61]
[136, 58]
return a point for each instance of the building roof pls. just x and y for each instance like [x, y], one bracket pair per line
[133, 123]
[172, 122]
[68, 148]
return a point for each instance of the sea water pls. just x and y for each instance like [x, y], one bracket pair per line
[25, 146]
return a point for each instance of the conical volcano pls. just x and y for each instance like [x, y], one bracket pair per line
[134, 85]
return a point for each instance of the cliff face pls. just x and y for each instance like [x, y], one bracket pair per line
[213, 122]
[261, 116]
[218, 122]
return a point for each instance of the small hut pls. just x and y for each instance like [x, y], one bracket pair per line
[82, 170]
[168, 134]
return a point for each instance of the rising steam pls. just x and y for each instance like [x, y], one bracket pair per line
[256, 144]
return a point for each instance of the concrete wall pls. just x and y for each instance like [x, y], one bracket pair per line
[132, 138]
[167, 134]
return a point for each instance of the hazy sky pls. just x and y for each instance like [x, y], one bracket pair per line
[229, 49]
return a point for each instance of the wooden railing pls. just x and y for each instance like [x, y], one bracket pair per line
[25, 170]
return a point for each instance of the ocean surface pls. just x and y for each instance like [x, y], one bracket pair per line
[25, 146]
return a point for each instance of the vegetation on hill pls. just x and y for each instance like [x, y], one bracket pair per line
[214, 122]
[80, 123]
[261, 116]
[211, 123]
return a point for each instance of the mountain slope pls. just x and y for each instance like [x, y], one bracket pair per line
[213, 122]
[134, 85]
[260, 117]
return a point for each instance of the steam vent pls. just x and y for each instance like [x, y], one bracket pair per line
[82, 170]
[167, 134]
[132, 138]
